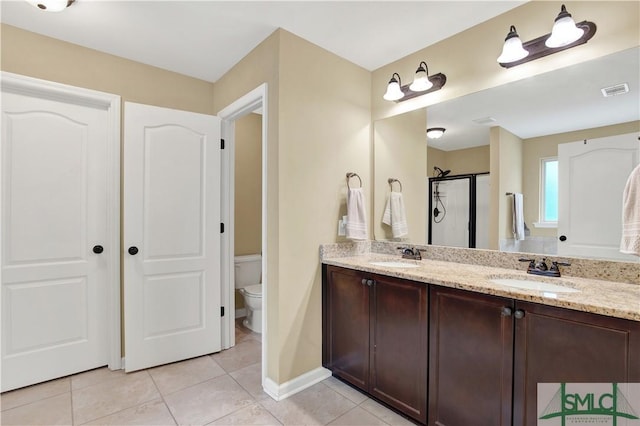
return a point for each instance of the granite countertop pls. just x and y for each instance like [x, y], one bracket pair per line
[609, 298]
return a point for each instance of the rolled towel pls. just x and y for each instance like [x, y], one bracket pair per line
[630, 242]
[356, 228]
[395, 215]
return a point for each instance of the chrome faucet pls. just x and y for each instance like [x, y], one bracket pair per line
[410, 253]
[541, 267]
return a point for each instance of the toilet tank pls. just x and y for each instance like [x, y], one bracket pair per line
[248, 270]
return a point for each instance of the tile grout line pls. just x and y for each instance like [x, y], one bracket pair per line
[163, 400]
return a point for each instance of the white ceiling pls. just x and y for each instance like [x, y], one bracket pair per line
[204, 39]
[560, 101]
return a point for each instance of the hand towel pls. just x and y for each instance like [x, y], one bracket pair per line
[356, 228]
[395, 215]
[630, 242]
[518, 217]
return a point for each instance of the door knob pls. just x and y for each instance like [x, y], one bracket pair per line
[133, 250]
[98, 249]
[563, 238]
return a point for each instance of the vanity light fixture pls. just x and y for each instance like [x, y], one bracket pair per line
[51, 5]
[435, 132]
[422, 84]
[564, 35]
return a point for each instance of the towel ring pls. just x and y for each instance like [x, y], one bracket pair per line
[391, 181]
[350, 175]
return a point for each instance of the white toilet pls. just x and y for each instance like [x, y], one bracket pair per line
[248, 281]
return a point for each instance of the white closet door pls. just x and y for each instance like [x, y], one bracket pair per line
[171, 235]
[592, 177]
[54, 211]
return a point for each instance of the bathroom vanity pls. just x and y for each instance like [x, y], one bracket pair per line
[443, 344]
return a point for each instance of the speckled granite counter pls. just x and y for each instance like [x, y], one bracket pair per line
[596, 296]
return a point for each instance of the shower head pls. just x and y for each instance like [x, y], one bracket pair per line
[441, 173]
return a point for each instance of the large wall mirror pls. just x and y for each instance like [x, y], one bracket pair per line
[511, 131]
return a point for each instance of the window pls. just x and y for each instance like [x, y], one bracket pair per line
[548, 192]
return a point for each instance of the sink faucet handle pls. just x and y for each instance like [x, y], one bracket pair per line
[554, 265]
[532, 262]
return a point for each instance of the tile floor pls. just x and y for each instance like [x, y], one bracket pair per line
[218, 389]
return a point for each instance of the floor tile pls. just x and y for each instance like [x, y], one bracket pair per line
[385, 414]
[34, 393]
[103, 399]
[149, 413]
[358, 417]
[241, 355]
[250, 378]
[179, 375]
[93, 377]
[345, 390]
[208, 401]
[252, 415]
[55, 410]
[317, 405]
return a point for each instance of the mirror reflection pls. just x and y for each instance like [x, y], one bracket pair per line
[526, 137]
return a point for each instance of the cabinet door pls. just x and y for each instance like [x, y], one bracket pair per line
[346, 323]
[555, 345]
[399, 356]
[470, 355]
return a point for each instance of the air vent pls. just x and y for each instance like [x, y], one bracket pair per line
[618, 89]
[485, 120]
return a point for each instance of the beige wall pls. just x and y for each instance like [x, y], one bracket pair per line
[547, 146]
[506, 176]
[468, 59]
[398, 140]
[67, 63]
[459, 161]
[248, 189]
[248, 185]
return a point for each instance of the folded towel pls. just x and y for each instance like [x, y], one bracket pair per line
[356, 215]
[630, 242]
[518, 217]
[395, 216]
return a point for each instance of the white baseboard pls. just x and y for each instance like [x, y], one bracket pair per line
[293, 386]
[242, 312]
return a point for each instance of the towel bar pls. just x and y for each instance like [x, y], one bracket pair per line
[350, 175]
[391, 181]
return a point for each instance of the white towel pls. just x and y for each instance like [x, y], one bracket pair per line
[518, 217]
[356, 215]
[630, 242]
[395, 216]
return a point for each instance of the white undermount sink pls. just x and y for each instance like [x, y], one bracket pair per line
[535, 285]
[394, 264]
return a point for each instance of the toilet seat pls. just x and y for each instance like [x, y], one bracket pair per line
[254, 290]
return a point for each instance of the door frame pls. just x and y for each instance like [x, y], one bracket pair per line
[110, 103]
[257, 98]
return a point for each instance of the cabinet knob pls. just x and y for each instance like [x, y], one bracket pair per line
[370, 283]
[519, 313]
[506, 311]
[364, 281]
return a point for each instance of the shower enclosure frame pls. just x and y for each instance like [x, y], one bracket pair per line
[472, 177]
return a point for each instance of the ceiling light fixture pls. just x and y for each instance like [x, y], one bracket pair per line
[51, 5]
[435, 132]
[564, 35]
[422, 84]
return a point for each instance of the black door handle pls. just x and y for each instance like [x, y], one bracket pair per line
[563, 238]
[98, 249]
[133, 250]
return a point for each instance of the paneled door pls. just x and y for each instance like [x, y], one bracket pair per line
[592, 176]
[171, 235]
[59, 230]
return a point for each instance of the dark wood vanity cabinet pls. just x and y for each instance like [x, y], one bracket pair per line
[375, 336]
[487, 355]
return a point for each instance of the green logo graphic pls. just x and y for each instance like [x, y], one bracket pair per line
[614, 405]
